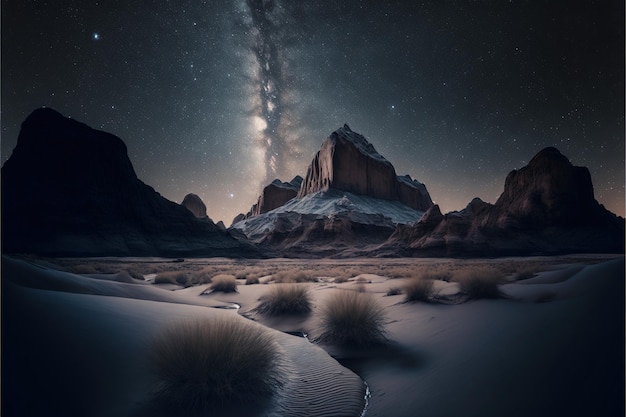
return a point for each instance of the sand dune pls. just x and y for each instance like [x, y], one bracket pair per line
[75, 345]
[77, 354]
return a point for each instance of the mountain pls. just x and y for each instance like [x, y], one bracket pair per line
[351, 198]
[194, 204]
[347, 161]
[70, 190]
[273, 196]
[547, 207]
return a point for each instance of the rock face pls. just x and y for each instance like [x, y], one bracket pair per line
[194, 204]
[348, 162]
[326, 223]
[351, 198]
[548, 191]
[275, 195]
[70, 190]
[547, 207]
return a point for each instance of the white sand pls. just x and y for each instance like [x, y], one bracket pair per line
[79, 346]
[87, 355]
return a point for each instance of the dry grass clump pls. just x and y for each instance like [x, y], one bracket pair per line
[202, 276]
[285, 299]
[351, 318]
[398, 272]
[419, 289]
[526, 272]
[362, 280]
[250, 272]
[202, 363]
[171, 277]
[479, 282]
[252, 280]
[394, 291]
[341, 279]
[224, 283]
[294, 277]
[439, 274]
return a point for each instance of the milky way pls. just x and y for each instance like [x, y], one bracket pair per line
[219, 97]
[269, 82]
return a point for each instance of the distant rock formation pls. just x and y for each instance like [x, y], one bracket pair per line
[547, 207]
[70, 190]
[275, 195]
[348, 162]
[239, 218]
[194, 204]
[548, 191]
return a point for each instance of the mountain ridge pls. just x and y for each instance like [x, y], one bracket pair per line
[70, 190]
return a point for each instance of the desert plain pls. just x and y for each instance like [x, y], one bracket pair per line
[79, 336]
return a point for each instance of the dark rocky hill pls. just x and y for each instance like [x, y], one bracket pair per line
[71, 190]
[547, 207]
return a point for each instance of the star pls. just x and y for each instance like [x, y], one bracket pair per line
[95, 36]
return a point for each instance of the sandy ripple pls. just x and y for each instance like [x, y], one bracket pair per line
[316, 384]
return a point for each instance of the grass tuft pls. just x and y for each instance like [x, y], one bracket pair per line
[203, 276]
[295, 276]
[419, 289]
[285, 299]
[252, 280]
[171, 277]
[351, 318]
[224, 283]
[203, 363]
[479, 282]
[394, 291]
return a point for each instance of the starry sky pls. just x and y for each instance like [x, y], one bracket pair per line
[219, 97]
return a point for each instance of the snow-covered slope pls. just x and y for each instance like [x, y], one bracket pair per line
[329, 206]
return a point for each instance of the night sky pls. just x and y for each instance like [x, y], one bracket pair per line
[219, 97]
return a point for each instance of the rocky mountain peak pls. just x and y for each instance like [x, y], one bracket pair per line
[346, 161]
[548, 189]
[273, 195]
[71, 190]
[194, 204]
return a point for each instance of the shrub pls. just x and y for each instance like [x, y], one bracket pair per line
[171, 277]
[362, 280]
[479, 282]
[285, 299]
[252, 280]
[353, 319]
[203, 363]
[293, 277]
[439, 274]
[224, 283]
[136, 273]
[394, 291]
[202, 276]
[525, 272]
[419, 289]
[339, 280]
[249, 272]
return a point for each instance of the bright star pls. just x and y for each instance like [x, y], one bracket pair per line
[96, 36]
[231, 195]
